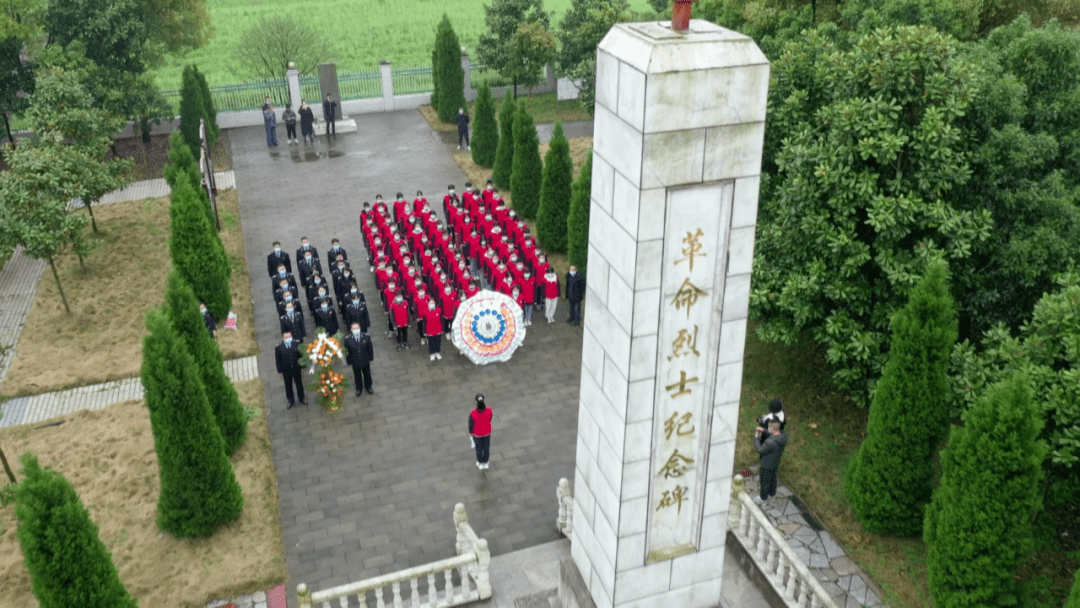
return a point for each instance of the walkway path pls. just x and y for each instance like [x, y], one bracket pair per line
[21, 274]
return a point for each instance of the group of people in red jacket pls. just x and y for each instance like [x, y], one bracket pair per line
[424, 268]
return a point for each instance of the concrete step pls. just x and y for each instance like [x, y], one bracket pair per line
[548, 598]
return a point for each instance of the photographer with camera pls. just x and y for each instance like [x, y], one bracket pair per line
[771, 446]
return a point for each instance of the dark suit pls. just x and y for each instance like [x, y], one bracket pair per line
[329, 109]
[327, 319]
[332, 255]
[357, 313]
[274, 259]
[288, 365]
[361, 354]
[296, 304]
[575, 293]
[311, 248]
[275, 285]
[211, 326]
[295, 325]
[305, 269]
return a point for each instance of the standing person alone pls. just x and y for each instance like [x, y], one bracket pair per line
[770, 444]
[551, 292]
[329, 109]
[307, 122]
[575, 293]
[480, 431]
[463, 129]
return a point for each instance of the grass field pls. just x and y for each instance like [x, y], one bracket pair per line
[361, 32]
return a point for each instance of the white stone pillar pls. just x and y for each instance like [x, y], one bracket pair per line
[293, 76]
[387, 86]
[470, 94]
[678, 133]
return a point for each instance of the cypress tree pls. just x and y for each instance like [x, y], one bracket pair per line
[1074, 598]
[192, 109]
[183, 311]
[196, 250]
[577, 225]
[485, 135]
[67, 562]
[891, 479]
[199, 491]
[504, 152]
[181, 163]
[451, 80]
[209, 111]
[528, 173]
[555, 193]
[978, 525]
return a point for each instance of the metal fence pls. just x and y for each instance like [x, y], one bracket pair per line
[364, 84]
[478, 73]
[412, 80]
[239, 96]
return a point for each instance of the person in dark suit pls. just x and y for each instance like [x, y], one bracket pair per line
[307, 266]
[289, 299]
[337, 250]
[305, 246]
[208, 318]
[307, 122]
[326, 317]
[276, 257]
[329, 108]
[361, 354]
[287, 357]
[282, 276]
[357, 313]
[575, 293]
[292, 321]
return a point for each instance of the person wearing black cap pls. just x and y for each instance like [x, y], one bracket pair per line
[480, 431]
[776, 412]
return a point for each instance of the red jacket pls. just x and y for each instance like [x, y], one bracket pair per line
[551, 288]
[450, 304]
[400, 313]
[480, 422]
[432, 321]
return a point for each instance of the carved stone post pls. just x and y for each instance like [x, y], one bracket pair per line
[303, 596]
[483, 582]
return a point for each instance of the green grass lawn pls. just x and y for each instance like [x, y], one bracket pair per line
[361, 32]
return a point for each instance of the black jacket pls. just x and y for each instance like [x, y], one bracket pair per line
[275, 285]
[300, 252]
[771, 448]
[296, 304]
[295, 326]
[211, 326]
[361, 351]
[329, 110]
[357, 314]
[287, 359]
[307, 118]
[274, 259]
[327, 319]
[463, 122]
[575, 287]
[331, 255]
[306, 269]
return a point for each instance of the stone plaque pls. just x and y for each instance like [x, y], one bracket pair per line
[692, 293]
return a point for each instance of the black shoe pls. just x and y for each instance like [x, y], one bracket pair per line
[358, 393]
[289, 404]
[302, 402]
[370, 392]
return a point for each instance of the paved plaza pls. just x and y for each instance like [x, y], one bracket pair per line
[370, 489]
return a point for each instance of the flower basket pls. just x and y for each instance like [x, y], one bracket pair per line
[329, 385]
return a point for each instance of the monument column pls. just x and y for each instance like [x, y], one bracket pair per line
[678, 133]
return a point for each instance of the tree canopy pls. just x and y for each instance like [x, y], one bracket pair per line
[266, 48]
[503, 17]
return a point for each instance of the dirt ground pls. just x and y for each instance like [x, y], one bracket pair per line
[150, 158]
[108, 455]
[126, 272]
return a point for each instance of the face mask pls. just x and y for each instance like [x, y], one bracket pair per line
[336, 246]
[317, 281]
[308, 258]
[288, 341]
[354, 290]
[325, 306]
[356, 332]
[277, 249]
[397, 300]
[289, 310]
[573, 272]
[322, 293]
[451, 192]
[346, 275]
[288, 298]
[306, 246]
[356, 300]
[282, 272]
[284, 287]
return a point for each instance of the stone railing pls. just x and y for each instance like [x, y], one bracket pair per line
[564, 522]
[790, 577]
[471, 565]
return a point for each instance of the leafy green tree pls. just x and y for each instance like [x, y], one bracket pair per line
[978, 525]
[112, 33]
[582, 28]
[660, 5]
[504, 151]
[199, 491]
[577, 225]
[531, 48]
[173, 27]
[267, 47]
[1074, 597]
[770, 24]
[958, 18]
[861, 200]
[192, 109]
[485, 136]
[196, 250]
[34, 195]
[67, 562]
[528, 174]
[555, 193]
[16, 81]
[210, 112]
[183, 311]
[451, 76]
[503, 17]
[1046, 354]
[891, 479]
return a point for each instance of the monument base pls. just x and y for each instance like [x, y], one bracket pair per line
[342, 125]
[573, 592]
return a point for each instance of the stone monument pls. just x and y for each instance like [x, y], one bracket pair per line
[678, 133]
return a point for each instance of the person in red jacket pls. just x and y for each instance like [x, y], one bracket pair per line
[449, 305]
[528, 295]
[433, 329]
[399, 314]
[480, 431]
[551, 294]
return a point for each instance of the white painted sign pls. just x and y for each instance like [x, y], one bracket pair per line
[695, 255]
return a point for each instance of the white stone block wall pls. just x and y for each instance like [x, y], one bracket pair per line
[671, 111]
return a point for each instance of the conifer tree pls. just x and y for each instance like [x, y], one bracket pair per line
[199, 491]
[1074, 597]
[891, 479]
[551, 218]
[528, 173]
[183, 311]
[67, 562]
[192, 109]
[451, 81]
[196, 250]
[577, 225]
[209, 111]
[485, 135]
[978, 525]
[504, 152]
[182, 163]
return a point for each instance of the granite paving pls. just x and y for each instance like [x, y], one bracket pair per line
[370, 489]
